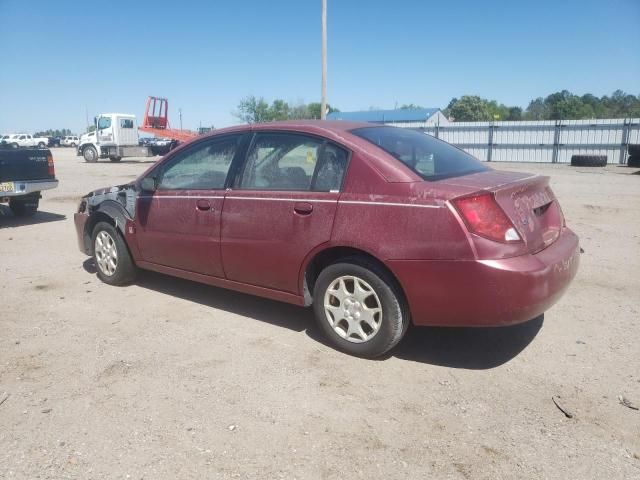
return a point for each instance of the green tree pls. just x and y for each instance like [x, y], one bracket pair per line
[314, 110]
[54, 133]
[537, 110]
[514, 114]
[279, 110]
[471, 108]
[257, 110]
[411, 106]
[253, 110]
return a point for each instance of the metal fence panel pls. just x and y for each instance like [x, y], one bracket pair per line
[553, 141]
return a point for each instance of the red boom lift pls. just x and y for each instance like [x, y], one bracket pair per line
[156, 121]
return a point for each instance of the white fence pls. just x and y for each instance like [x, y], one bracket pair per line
[542, 141]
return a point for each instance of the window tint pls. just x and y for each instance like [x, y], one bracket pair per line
[126, 123]
[431, 158]
[279, 161]
[202, 167]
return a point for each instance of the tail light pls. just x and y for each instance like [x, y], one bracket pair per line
[483, 216]
[52, 168]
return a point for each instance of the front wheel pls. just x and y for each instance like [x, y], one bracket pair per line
[73, 144]
[111, 256]
[360, 308]
[14, 145]
[90, 154]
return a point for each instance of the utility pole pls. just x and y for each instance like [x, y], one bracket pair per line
[323, 101]
[180, 115]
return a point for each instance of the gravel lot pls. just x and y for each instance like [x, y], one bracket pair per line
[171, 379]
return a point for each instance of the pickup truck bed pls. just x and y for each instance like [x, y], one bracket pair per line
[24, 173]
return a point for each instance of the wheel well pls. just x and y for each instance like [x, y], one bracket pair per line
[90, 225]
[333, 255]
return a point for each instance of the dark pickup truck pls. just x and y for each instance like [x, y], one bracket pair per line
[24, 173]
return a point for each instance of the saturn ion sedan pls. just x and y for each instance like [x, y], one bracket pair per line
[373, 226]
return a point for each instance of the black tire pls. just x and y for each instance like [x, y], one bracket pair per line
[90, 154]
[41, 145]
[25, 206]
[14, 145]
[73, 145]
[634, 150]
[125, 270]
[588, 160]
[633, 161]
[395, 315]
[115, 159]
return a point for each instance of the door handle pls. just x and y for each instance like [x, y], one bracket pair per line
[303, 208]
[203, 204]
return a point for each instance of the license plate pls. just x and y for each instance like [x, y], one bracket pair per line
[7, 187]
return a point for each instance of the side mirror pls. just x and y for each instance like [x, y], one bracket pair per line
[148, 184]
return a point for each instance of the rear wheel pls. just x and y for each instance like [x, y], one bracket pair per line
[25, 206]
[41, 145]
[111, 255]
[633, 161]
[73, 144]
[634, 150]
[588, 160]
[360, 308]
[90, 154]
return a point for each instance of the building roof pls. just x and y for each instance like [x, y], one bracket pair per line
[400, 115]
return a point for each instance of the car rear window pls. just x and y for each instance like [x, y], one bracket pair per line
[429, 157]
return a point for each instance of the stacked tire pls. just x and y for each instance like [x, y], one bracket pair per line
[588, 160]
[634, 156]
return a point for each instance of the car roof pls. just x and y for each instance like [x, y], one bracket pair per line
[318, 126]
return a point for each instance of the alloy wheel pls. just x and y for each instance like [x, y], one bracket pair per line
[353, 309]
[106, 253]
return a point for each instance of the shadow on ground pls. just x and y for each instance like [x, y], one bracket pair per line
[467, 348]
[478, 348]
[9, 220]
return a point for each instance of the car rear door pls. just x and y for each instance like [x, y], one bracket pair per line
[178, 225]
[281, 207]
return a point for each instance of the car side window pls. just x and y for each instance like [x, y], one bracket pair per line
[280, 161]
[126, 123]
[331, 169]
[203, 167]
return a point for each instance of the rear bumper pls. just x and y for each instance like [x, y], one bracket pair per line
[25, 187]
[488, 292]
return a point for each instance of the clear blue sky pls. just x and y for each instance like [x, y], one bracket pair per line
[59, 58]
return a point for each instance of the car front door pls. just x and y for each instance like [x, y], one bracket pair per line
[281, 207]
[178, 225]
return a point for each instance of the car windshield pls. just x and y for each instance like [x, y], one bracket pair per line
[429, 157]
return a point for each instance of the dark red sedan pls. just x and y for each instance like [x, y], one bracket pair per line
[374, 226]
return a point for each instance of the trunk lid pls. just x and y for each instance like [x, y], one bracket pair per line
[526, 199]
[24, 164]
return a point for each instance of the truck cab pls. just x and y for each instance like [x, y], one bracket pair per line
[115, 136]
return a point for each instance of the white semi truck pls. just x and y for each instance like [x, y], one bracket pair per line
[115, 137]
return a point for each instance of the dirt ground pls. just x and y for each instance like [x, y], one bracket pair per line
[171, 379]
